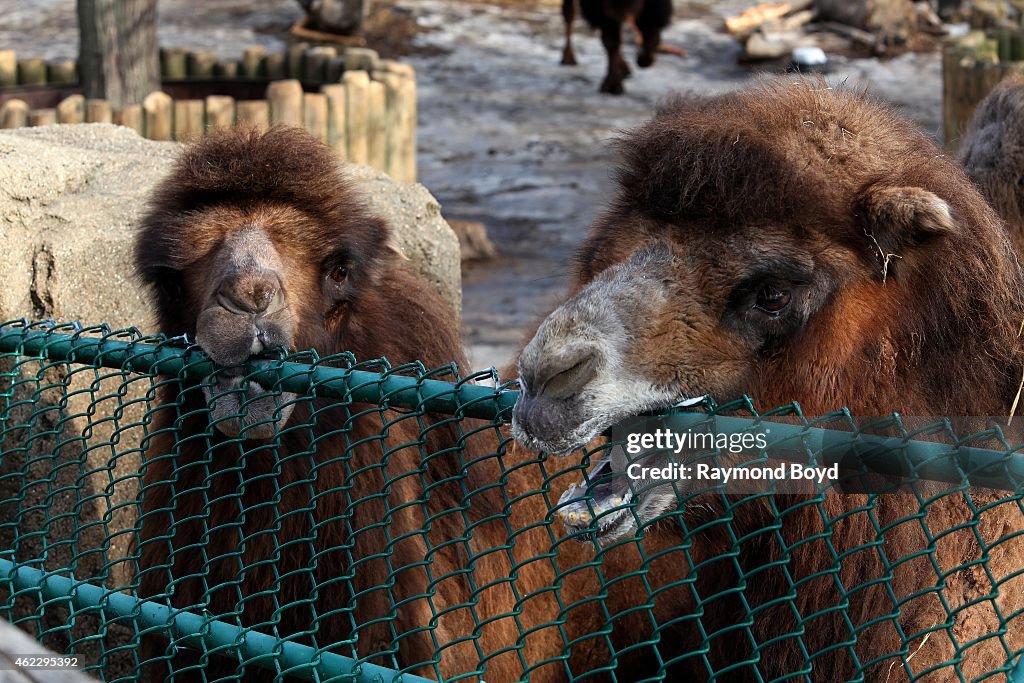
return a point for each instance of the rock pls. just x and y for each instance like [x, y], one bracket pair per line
[337, 16]
[422, 234]
[71, 195]
[765, 45]
[474, 244]
[891, 20]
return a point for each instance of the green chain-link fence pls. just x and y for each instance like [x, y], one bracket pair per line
[392, 531]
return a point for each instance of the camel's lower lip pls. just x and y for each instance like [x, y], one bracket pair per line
[248, 411]
[598, 506]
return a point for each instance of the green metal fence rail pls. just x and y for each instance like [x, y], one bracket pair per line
[81, 425]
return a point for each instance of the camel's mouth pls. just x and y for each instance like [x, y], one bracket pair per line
[599, 506]
[242, 408]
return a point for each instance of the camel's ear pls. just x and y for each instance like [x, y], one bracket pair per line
[897, 219]
[391, 246]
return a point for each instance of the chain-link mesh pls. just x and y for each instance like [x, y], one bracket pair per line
[391, 531]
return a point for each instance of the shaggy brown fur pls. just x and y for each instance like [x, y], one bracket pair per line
[915, 308]
[992, 150]
[298, 542]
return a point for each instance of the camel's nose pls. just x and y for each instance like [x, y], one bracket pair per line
[560, 376]
[250, 293]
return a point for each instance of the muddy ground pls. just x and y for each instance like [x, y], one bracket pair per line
[507, 135]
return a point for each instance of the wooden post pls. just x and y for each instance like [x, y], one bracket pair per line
[336, 115]
[8, 68]
[220, 112]
[31, 71]
[118, 58]
[158, 110]
[64, 72]
[189, 119]
[361, 59]
[393, 85]
[314, 115]
[357, 83]
[98, 111]
[405, 117]
[132, 117]
[335, 68]
[296, 53]
[275, 66]
[200, 64]
[42, 117]
[376, 127]
[285, 98]
[174, 63]
[252, 58]
[71, 109]
[253, 114]
[227, 71]
[14, 114]
[315, 64]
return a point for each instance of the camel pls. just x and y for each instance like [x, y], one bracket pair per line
[789, 242]
[992, 150]
[648, 17]
[339, 532]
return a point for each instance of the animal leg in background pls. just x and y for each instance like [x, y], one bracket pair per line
[569, 15]
[638, 39]
[611, 38]
[652, 19]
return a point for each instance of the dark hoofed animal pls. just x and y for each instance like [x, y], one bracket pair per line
[792, 242]
[650, 18]
[324, 533]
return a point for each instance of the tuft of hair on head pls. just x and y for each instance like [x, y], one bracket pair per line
[284, 164]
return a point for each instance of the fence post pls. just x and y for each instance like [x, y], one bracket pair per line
[8, 68]
[314, 115]
[357, 85]
[337, 108]
[285, 98]
[98, 111]
[220, 112]
[158, 109]
[253, 114]
[132, 117]
[173, 63]
[189, 119]
[64, 71]
[71, 109]
[252, 57]
[31, 71]
[376, 127]
[42, 117]
[200, 64]
[315, 66]
[14, 114]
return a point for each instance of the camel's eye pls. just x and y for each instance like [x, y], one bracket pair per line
[771, 300]
[339, 274]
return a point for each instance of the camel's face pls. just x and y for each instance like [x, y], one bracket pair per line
[675, 320]
[254, 290]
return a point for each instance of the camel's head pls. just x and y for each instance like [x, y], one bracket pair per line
[781, 243]
[256, 243]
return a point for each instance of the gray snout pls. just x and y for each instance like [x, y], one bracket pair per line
[549, 412]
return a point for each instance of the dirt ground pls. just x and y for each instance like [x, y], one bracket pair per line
[507, 135]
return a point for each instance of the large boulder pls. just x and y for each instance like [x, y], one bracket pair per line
[71, 195]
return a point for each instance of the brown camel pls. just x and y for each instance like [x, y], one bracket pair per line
[791, 242]
[992, 150]
[341, 533]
